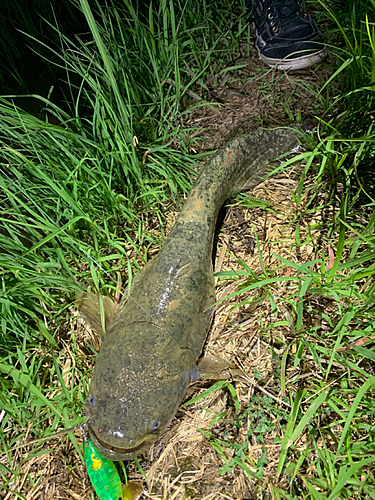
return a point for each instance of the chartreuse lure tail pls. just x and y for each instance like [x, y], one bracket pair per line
[103, 473]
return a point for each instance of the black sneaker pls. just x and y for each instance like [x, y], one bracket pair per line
[286, 35]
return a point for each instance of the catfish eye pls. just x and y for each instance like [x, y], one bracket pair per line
[91, 400]
[155, 425]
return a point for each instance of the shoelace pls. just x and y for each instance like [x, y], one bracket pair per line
[286, 11]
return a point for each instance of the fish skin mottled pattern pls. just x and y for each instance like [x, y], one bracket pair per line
[150, 351]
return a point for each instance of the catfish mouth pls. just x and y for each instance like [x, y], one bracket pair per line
[121, 451]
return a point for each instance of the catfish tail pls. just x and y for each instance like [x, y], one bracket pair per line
[244, 161]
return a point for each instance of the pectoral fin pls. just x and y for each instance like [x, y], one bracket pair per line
[214, 368]
[97, 310]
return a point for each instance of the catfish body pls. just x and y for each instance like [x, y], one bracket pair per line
[150, 351]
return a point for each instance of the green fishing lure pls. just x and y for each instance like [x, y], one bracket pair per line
[102, 472]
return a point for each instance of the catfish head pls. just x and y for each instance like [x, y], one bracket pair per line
[136, 390]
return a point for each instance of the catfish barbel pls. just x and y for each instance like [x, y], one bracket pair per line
[150, 351]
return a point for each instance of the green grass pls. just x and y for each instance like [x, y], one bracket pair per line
[78, 196]
[83, 203]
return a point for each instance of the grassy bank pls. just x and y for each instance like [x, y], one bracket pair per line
[84, 198]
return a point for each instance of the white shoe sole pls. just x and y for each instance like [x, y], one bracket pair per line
[295, 63]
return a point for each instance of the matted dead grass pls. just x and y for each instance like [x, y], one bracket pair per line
[183, 463]
[252, 96]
